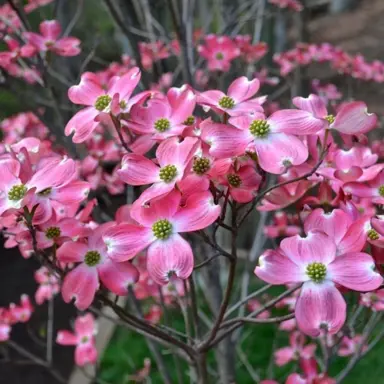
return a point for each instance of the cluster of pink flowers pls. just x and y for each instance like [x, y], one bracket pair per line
[343, 62]
[14, 314]
[191, 154]
[35, 45]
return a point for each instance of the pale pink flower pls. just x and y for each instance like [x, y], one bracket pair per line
[373, 300]
[312, 260]
[83, 338]
[350, 346]
[296, 350]
[48, 285]
[82, 282]
[48, 39]
[168, 255]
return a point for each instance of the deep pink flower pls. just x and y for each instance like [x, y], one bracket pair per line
[82, 282]
[239, 99]
[48, 39]
[89, 92]
[313, 261]
[83, 338]
[243, 182]
[219, 51]
[169, 255]
[21, 313]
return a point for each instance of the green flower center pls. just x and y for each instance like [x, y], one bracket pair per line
[45, 192]
[373, 235]
[201, 165]
[17, 192]
[92, 258]
[381, 190]
[330, 119]
[227, 102]
[103, 102]
[234, 180]
[123, 104]
[162, 125]
[162, 229]
[317, 272]
[168, 173]
[219, 56]
[189, 120]
[52, 232]
[259, 128]
[85, 339]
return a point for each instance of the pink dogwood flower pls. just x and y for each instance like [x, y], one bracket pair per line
[173, 156]
[312, 260]
[238, 100]
[168, 254]
[162, 117]
[20, 186]
[348, 234]
[89, 92]
[296, 350]
[282, 226]
[83, 338]
[48, 285]
[351, 119]
[21, 313]
[243, 182]
[373, 189]
[48, 39]
[349, 346]
[310, 374]
[82, 282]
[274, 138]
[219, 51]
